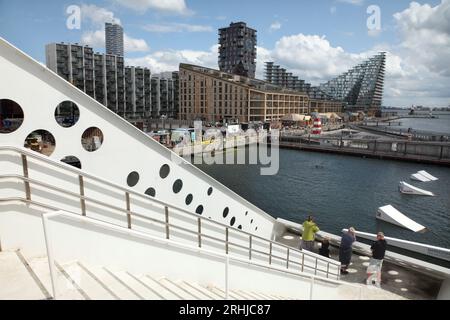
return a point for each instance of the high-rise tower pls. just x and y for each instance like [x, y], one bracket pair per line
[237, 52]
[114, 39]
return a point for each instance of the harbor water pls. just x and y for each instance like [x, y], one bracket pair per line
[342, 191]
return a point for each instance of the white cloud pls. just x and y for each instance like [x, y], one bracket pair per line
[353, 2]
[333, 10]
[313, 57]
[97, 16]
[134, 45]
[168, 6]
[177, 27]
[96, 39]
[424, 54]
[275, 26]
[162, 61]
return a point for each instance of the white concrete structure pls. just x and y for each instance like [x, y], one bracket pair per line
[426, 249]
[410, 189]
[390, 214]
[125, 149]
[136, 220]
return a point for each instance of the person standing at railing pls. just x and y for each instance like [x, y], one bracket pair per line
[309, 231]
[325, 248]
[345, 249]
[376, 262]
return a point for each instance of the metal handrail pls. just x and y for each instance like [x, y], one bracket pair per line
[129, 213]
[130, 232]
[49, 207]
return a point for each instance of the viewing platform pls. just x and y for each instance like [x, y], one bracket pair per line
[404, 276]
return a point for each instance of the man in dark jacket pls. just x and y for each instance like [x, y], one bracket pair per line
[378, 250]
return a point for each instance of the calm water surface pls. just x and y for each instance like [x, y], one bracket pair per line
[342, 191]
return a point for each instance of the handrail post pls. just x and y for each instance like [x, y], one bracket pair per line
[315, 268]
[227, 265]
[166, 211]
[250, 247]
[82, 201]
[328, 268]
[226, 240]
[287, 259]
[270, 253]
[51, 261]
[199, 232]
[25, 174]
[303, 261]
[311, 289]
[127, 199]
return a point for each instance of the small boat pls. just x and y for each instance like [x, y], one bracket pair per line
[409, 189]
[426, 249]
[390, 214]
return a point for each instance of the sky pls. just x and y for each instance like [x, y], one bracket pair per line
[316, 40]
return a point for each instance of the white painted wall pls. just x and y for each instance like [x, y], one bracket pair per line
[96, 245]
[65, 177]
[125, 149]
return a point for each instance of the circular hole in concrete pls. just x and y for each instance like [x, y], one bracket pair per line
[288, 237]
[364, 258]
[67, 114]
[41, 141]
[92, 139]
[404, 289]
[11, 116]
[398, 280]
[351, 270]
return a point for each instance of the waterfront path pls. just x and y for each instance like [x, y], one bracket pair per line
[412, 151]
[397, 277]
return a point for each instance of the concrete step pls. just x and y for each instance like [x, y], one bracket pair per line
[221, 292]
[262, 296]
[241, 294]
[66, 290]
[171, 286]
[249, 295]
[88, 282]
[139, 288]
[16, 281]
[196, 294]
[164, 292]
[211, 295]
[110, 281]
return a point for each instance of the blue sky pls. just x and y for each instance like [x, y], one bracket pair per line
[160, 33]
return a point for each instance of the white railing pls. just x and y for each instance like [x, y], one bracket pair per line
[131, 233]
[197, 227]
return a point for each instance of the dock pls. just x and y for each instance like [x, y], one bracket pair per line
[402, 150]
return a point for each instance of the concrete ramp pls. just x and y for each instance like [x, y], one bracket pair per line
[427, 175]
[390, 214]
[419, 177]
[406, 188]
[423, 176]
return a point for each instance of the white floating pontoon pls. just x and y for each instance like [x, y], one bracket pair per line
[390, 214]
[419, 177]
[409, 189]
[423, 176]
[427, 175]
[426, 249]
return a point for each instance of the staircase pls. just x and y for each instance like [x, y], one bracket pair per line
[29, 279]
